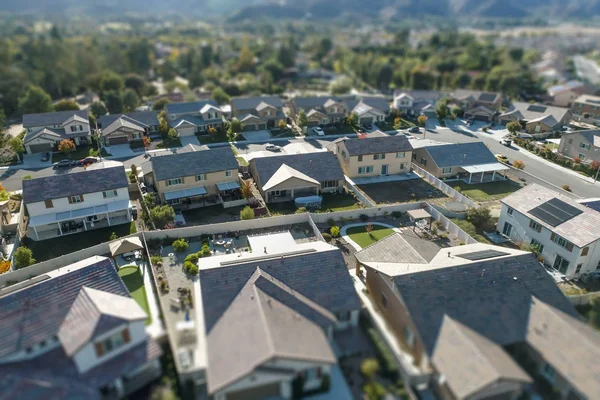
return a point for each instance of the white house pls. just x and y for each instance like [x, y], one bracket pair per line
[566, 233]
[45, 131]
[195, 117]
[76, 202]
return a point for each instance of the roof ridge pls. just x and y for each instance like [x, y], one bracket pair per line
[269, 337]
[379, 241]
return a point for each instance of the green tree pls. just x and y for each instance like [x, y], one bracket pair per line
[422, 120]
[113, 236]
[245, 61]
[160, 104]
[302, 119]
[98, 109]
[341, 86]
[369, 368]
[135, 82]
[352, 119]
[247, 213]
[480, 217]
[130, 100]
[514, 127]
[35, 100]
[173, 135]
[219, 95]
[66, 105]
[441, 109]
[163, 125]
[114, 102]
[16, 144]
[273, 67]
[162, 215]
[23, 257]
[234, 128]
[111, 82]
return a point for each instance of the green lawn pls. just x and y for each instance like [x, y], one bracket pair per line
[488, 191]
[79, 153]
[339, 202]
[363, 239]
[169, 143]
[132, 278]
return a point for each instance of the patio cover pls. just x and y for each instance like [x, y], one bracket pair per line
[472, 169]
[228, 185]
[125, 245]
[419, 214]
[45, 219]
[180, 194]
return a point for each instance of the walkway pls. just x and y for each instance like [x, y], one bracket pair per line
[156, 328]
[351, 242]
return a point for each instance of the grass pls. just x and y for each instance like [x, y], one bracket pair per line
[488, 191]
[242, 161]
[342, 129]
[364, 239]
[339, 202]
[211, 214]
[132, 278]
[79, 153]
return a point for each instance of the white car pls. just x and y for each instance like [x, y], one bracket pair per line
[273, 147]
[318, 131]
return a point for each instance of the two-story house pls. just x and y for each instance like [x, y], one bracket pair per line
[257, 113]
[127, 128]
[586, 106]
[195, 117]
[46, 130]
[565, 233]
[564, 95]
[76, 202]
[74, 333]
[374, 156]
[480, 322]
[287, 177]
[479, 106]
[584, 145]
[415, 102]
[196, 178]
[370, 109]
[538, 118]
[322, 110]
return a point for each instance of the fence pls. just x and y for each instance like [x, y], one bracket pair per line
[583, 299]
[450, 226]
[443, 187]
[359, 194]
[370, 212]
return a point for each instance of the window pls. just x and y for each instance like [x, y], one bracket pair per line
[176, 181]
[584, 146]
[401, 154]
[278, 193]
[173, 201]
[423, 161]
[535, 226]
[402, 165]
[446, 170]
[313, 373]
[329, 184]
[582, 156]
[379, 157]
[73, 128]
[81, 128]
[510, 211]
[76, 199]
[113, 342]
[562, 242]
[109, 194]
[584, 251]
[578, 269]
[228, 174]
[136, 135]
[344, 154]
[49, 203]
[365, 170]
[359, 158]
[414, 156]
[537, 245]
[383, 300]
[409, 336]
[201, 177]
[548, 372]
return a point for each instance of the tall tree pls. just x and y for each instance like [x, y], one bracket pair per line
[130, 100]
[111, 82]
[98, 109]
[66, 105]
[135, 82]
[160, 104]
[35, 100]
[219, 95]
[114, 102]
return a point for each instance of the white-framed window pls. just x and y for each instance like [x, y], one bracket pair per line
[110, 193]
[582, 156]
[136, 135]
[510, 211]
[73, 128]
[401, 154]
[365, 170]
[76, 199]
[173, 201]
[174, 181]
[278, 193]
[329, 184]
[446, 170]
[535, 226]
[423, 161]
[584, 146]
[402, 166]
[409, 336]
[228, 174]
[379, 156]
[201, 177]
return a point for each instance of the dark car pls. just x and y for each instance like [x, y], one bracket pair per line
[414, 129]
[368, 126]
[63, 164]
[88, 160]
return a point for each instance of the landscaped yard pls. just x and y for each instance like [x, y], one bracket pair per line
[169, 143]
[79, 153]
[487, 191]
[363, 239]
[132, 278]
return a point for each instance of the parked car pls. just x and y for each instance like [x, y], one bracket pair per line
[368, 126]
[88, 160]
[502, 158]
[318, 131]
[143, 188]
[414, 129]
[273, 147]
[45, 156]
[134, 210]
[63, 164]
[506, 142]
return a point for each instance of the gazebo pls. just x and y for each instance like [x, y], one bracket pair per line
[126, 245]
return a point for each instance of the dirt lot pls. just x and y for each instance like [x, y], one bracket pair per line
[401, 191]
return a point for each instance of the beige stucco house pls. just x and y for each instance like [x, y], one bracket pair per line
[480, 106]
[581, 144]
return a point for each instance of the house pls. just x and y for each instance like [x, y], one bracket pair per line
[321, 110]
[370, 109]
[374, 156]
[565, 94]
[538, 118]
[196, 178]
[461, 160]
[76, 202]
[286, 177]
[586, 106]
[415, 102]
[45, 131]
[195, 117]
[127, 128]
[584, 145]
[257, 113]
[482, 322]
[74, 333]
[479, 106]
[565, 233]
[291, 307]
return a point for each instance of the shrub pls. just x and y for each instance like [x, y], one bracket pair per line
[301, 210]
[247, 213]
[193, 258]
[443, 235]
[23, 257]
[180, 245]
[518, 164]
[327, 237]
[156, 260]
[479, 217]
[330, 222]
[132, 228]
[434, 229]
[386, 359]
[566, 187]
[205, 252]
[363, 217]
[458, 189]
[27, 177]
[113, 236]
[190, 268]
[4, 266]
[335, 231]
[369, 367]
[397, 214]
[374, 390]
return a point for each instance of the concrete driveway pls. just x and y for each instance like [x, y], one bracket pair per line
[256, 135]
[120, 151]
[185, 140]
[34, 161]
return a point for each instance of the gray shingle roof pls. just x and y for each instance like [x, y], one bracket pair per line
[250, 103]
[193, 163]
[147, 118]
[379, 103]
[308, 103]
[377, 145]
[391, 249]
[461, 154]
[51, 118]
[70, 184]
[321, 166]
[533, 111]
[188, 108]
[57, 133]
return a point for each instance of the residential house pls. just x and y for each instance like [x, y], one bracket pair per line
[538, 118]
[479, 106]
[459, 160]
[195, 117]
[566, 233]
[370, 109]
[286, 177]
[374, 156]
[74, 333]
[415, 102]
[76, 202]
[564, 95]
[257, 113]
[127, 128]
[196, 178]
[584, 145]
[323, 110]
[291, 307]
[45, 131]
[481, 322]
[586, 106]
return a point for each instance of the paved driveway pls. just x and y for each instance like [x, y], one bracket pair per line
[185, 140]
[120, 151]
[256, 135]
[34, 161]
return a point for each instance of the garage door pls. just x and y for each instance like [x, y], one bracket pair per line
[117, 140]
[481, 118]
[261, 127]
[366, 121]
[40, 148]
[257, 393]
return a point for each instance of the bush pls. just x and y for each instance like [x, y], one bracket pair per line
[193, 258]
[397, 214]
[479, 217]
[180, 245]
[205, 252]
[247, 213]
[113, 236]
[132, 228]
[155, 260]
[363, 217]
[374, 390]
[518, 164]
[327, 237]
[458, 189]
[335, 231]
[301, 210]
[386, 359]
[23, 257]
[369, 367]
[190, 268]
[330, 222]
[4, 266]
[566, 187]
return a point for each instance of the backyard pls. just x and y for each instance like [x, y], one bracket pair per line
[79, 153]
[132, 278]
[487, 191]
[331, 202]
[363, 238]
[401, 191]
[211, 215]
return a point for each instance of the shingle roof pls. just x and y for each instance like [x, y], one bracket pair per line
[70, 184]
[285, 173]
[186, 108]
[477, 95]
[251, 103]
[547, 120]
[147, 118]
[429, 96]
[194, 163]
[570, 85]
[308, 103]
[592, 136]
[321, 166]
[377, 145]
[533, 111]
[57, 133]
[122, 122]
[391, 249]
[461, 154]
[51, 118]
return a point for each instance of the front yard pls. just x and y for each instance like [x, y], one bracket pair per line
[487, 191]
[335, 130]
[132, 278]
[361, 237]
[79, 153]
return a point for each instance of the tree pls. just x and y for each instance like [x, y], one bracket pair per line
[441, 109]
[146, 140]
[302, 119]
[212, 132]
[66, 105]
[246, 190]
[163, 126]
[273, 67]
[352, 119]
[480, 217]
[245, 62]
[16, 144]
[282, 124]
[160, 104]
[341, 86]
[247, 213]
[98, 109]
[422, 120]
[513, 127]
[130, 100]
[180, 245]
[111, 82]
[595, 165]
[23, 257]
[35, 100]
[219, 95]
[518, 164]
[66, 146]
[369, 368]
[235, 127]
[114, 102]
[162, 215]
[173, 134]
[135, 82]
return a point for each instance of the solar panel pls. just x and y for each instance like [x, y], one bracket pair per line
[482, 255]
[534, 108]
[555, 212]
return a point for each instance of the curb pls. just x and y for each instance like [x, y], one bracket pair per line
[543, 180]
